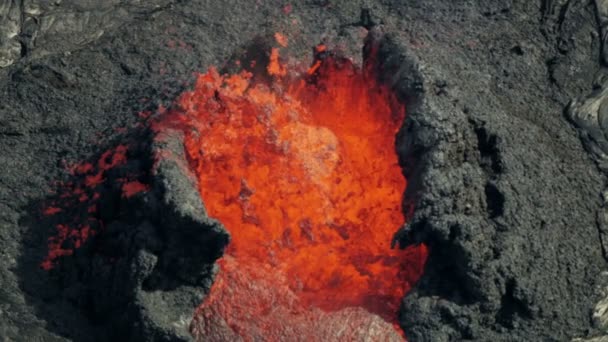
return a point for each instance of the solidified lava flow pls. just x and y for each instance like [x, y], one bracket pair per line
[303, 172]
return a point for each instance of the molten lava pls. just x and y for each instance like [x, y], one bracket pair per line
[304, 175]
[79, 200]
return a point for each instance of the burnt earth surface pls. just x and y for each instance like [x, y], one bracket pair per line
[506, 195]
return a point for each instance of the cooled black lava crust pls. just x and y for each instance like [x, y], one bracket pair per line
[505, 194]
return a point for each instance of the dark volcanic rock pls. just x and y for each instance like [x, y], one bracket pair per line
[505, 195]
[148, 267]
[33, 29]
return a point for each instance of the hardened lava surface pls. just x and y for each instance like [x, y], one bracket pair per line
[506, 197]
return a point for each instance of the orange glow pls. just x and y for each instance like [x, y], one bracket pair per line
[51, 211]
[132, 188]
[314, 68]
[82, 196]
[304, 175]
[275, 67]
[281, 39]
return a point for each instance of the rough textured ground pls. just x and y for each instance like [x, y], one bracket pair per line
[506, 194]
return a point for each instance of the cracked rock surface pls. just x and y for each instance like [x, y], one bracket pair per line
[506, 182]
[35, 28]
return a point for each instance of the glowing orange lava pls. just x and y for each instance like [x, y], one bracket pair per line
[304, 174]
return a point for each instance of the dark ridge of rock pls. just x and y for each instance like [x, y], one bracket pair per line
[602, 20]
[505, 201]
[590, 115]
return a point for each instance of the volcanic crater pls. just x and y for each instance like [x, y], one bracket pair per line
[313, 170]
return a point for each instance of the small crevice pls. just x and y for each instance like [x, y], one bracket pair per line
[495, 201]
[488, 150]
[511, 307]
[491, 164]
